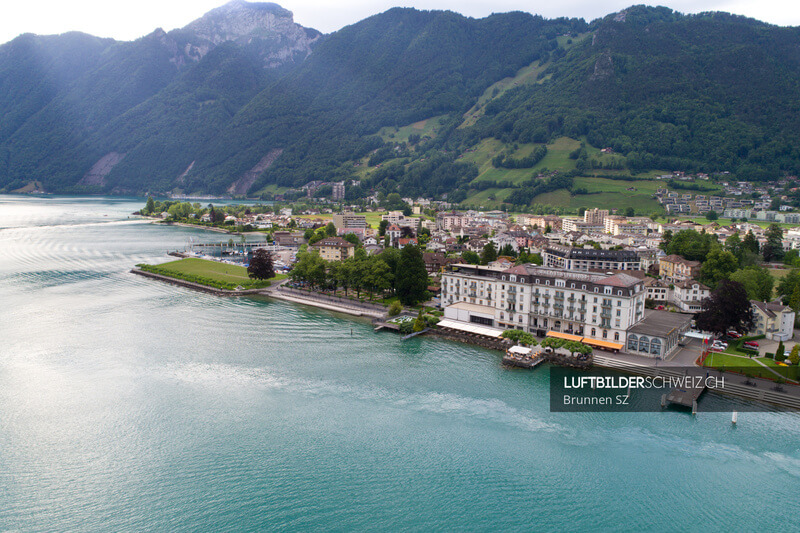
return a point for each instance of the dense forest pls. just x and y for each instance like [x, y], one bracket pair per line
[706, 92]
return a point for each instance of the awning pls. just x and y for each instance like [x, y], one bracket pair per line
[470, 328]
[602, 344]
[521, 350]
[565, 336]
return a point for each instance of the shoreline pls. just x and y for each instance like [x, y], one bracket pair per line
[608, 361]
[196, 286]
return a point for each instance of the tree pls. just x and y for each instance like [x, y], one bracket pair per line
[419, 323]
[261, 266]
[470, 257]
[330, 230]
[396, 308]
[750, 243]
[629, 212]
[489, 253]
[712, 215]
[665, 240]
[757, 281]
[382, 227]
[352, 238]
[728, 308]
[780, 352]
[718, 265]
[411, 277]
[151, 206]
[773, 248]
[508, 251]
[734, 245]
[691, 245]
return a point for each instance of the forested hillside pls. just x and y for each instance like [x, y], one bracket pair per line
[500, 109]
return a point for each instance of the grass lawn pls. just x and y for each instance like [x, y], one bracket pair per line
[642, 203]
[211, 273]
[750, 367]
[428, 127]
[726, 222]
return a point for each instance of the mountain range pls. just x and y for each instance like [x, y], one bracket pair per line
[245, 101]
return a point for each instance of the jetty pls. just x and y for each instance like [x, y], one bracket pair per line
[522, 357]
[686, 396]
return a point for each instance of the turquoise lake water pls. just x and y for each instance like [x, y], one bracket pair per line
[129, 405]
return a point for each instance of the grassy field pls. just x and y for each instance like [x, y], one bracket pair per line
[428, 127]
[210, 273]
[727, 221]
[643, 204]
[557, 158]
[750, 367]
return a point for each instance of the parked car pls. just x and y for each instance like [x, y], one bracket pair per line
[734, 334]
[715, 348]
[719, 344]
[659, 308]
[750, 344]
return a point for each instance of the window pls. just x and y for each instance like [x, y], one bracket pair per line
[594, 332]
[605, 334]
[644, 344]
[655, 347]
[481, 320]
[616, 335]
[633, 342]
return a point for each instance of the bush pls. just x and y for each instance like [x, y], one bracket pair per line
[406, 327]
[769, 355]
[395, 309]
[794, 355]
[780, 357]
[431, 321]
[780, 352]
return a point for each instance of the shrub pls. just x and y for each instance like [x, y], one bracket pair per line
[780, 357]
[406, 327]
[431, 321]
[794, 355]
[395, 309]
[779, 353]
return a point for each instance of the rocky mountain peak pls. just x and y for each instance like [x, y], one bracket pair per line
[268, 25]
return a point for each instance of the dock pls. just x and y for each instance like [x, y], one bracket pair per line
[686, 397]
[523, 357]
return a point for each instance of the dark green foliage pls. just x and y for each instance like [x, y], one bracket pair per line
[468, 256]
[505, 161]
[411, 276]
[489, 253]
[773, 248]
[691, 245]
[697, 92]
[261, 266]
[728, 308]
[666, 91]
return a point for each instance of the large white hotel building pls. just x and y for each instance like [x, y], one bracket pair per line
[599, 307]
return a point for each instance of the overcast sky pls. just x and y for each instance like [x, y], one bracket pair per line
[128, 20]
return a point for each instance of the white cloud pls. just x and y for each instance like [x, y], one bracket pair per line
[129, 20]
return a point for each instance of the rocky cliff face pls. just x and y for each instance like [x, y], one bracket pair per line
[265, 27]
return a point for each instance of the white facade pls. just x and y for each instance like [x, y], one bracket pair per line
[539, 299]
